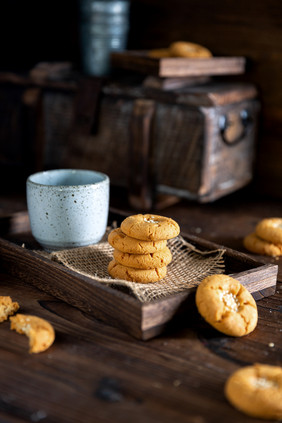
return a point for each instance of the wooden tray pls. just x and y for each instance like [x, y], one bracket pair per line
[111, 305]
[169, 67]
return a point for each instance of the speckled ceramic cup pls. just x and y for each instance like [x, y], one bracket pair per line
[67, 208]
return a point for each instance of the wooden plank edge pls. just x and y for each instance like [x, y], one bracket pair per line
[261, 282]
[152, 317]
[178, 66]
[102, 302]
[14, 223]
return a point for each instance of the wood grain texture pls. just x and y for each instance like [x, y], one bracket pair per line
[228, 29]
[176, 66]
[187, 153]
[113, 306]
[188, 146]
[140, 155]
[95, 371]
[83, 292]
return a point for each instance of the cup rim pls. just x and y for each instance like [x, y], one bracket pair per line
[69, 170]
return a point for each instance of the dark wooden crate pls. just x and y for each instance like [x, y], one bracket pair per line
[172, 142]
[153, 136]
[113, 306]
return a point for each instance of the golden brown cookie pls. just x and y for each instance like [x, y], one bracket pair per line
[270, 230]
[227, 305]
[159, 53]
[187, 49]
[122, 242]
[7, 307]
[144, 261]
[118, 271]
[258, 245]
[256, 391]
[40, 332]
[150, 227]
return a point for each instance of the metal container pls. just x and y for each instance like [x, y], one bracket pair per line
[104, 28]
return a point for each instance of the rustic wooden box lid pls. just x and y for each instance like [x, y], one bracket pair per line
[208, 94]
[140, 61]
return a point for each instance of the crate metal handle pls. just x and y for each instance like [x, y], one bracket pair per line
[225, 122]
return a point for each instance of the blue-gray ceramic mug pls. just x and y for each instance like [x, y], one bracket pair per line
[68, 207]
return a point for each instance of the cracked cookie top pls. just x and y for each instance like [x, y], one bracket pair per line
[227, 305]
[150, 227]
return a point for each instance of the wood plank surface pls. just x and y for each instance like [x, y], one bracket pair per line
[89, 296]
[140, 61]
[96, 372]
[142, 320]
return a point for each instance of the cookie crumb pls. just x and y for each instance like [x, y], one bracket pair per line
[176, 383]
[38, 415]
[157, 385]
[8, 307]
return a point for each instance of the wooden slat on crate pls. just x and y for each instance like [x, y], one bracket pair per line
[140, 61]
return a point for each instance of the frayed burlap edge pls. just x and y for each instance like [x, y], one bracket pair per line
[188, 267]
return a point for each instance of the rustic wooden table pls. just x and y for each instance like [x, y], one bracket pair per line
[96, 373]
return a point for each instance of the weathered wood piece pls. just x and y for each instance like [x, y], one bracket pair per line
[140, 61]
[95, 370]
[192, 134]
[115, 307]
[174, 83]
[140, 161]
[86, 105]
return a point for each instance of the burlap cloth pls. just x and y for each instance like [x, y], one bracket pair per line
[188, 267]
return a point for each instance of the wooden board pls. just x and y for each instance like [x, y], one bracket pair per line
[113, 306]
[169, 67]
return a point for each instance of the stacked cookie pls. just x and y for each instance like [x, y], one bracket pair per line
[266, 239]
[182, 49]
[140, 247]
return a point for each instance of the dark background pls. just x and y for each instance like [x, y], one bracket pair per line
[35, 31]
